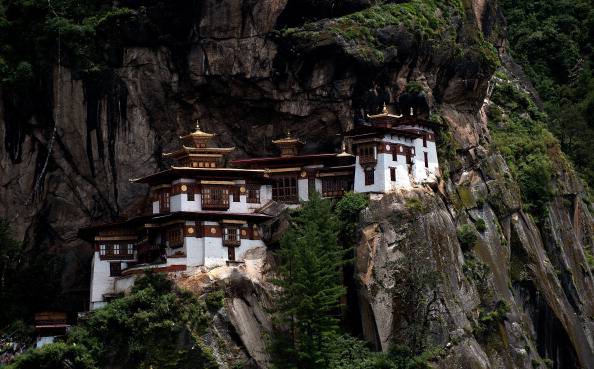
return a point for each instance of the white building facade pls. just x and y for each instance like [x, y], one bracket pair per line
[205, 214]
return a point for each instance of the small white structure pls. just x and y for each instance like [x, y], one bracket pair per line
[393, 152]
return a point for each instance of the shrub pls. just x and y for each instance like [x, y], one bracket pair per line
[414, 204]
[467, 236]
[489, 320]
[55, 356]
[480, 225]
[215, 300]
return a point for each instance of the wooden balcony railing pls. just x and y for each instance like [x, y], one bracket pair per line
[215, 198]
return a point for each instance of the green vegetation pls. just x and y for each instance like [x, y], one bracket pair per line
[490, 319]
[347, 211]
[154, 326]
[552, 40]
[310, 278]
[432, 22]
[215, 300]
[467, 236]
[414, 204]
[480, 225]
[55, 356]
[307, 310]
[519, 132]
[589, 259]
[30, 30]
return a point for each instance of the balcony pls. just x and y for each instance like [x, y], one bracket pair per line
[367, 160]
[215, 198]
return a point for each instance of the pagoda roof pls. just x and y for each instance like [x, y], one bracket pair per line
[198, 133]
[286, 160]
[151, 220]
[207, 173]
[195, 151]
[287, 140]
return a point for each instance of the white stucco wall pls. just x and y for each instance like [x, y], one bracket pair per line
[382, 181]
[303, 189]
[101, 282]
[214, 252]
[194, 251]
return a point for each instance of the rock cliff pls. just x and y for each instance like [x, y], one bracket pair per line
[251, 69]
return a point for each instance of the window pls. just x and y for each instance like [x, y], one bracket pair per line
[102, 249]
[191, 196]
[116, 249]
[115, 269]
[369, 176]
[214, 197]
[426, 159]
[130, 249]
[284, 189]
[394, 156]
[231, 236]
[424, 141]
[175, 237]
[253, 193]
[393, 174]
[366, 153]
[164, 201]
[335, 186]
[236, 194]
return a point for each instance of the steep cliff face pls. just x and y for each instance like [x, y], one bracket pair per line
[524, 292]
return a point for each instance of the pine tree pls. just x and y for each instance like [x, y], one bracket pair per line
[310, 281]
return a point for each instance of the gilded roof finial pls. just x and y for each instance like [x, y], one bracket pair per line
[385, 109]
[288, 133]
[197, 125]
[412, 111]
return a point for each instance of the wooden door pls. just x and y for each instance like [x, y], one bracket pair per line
[231, 251]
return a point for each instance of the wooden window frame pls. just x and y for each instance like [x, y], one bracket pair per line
[215, 197]
[231, 236]
[103, 249]
[115, 249]
[253, 193]
[367, 153]
[285, 189]
[424, 141]
[369, 176]
[426, 156]
[393, 174]
[164, 201]
[191, 195]
[174, 237]
[335, 186]
[236, 195]
[113, 271]
[130, 249]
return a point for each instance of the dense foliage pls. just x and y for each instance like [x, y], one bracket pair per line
[520, 133]
[307, 309]
[310, 261]
[154, 326]
[552, 40]
[435, 24]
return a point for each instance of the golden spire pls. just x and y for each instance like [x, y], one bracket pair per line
[385, 109]
[197, 125]
[343, 151]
